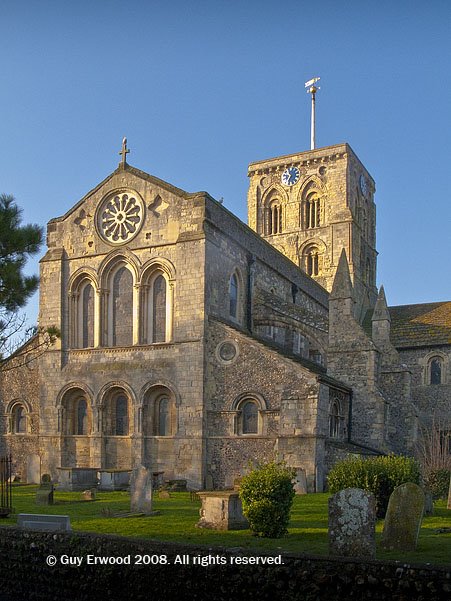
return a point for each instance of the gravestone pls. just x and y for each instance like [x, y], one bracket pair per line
[33, 469]
[300, 483]
[221, 510]
[403, 518]
[428, 503]
[449, 494]
[46, 523]
[141, 490]
[352, 519]
[44, 494]
[89, 495]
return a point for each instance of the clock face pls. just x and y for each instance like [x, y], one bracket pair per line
[290, 176]
[363, 185]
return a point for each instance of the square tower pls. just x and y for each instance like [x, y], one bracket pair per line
[310, 206]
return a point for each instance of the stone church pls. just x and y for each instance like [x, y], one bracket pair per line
[195, 344]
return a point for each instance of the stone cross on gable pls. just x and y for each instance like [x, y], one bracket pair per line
[124, 152]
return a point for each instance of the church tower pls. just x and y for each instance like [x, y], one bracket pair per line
[311, 206]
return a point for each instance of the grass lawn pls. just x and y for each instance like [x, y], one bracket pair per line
[176, 523]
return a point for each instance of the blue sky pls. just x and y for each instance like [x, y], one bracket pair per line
[201, 89]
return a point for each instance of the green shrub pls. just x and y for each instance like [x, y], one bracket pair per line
[379, 475]
[267, 495]
[437, 481]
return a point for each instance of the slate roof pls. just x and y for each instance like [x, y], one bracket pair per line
[412, 326]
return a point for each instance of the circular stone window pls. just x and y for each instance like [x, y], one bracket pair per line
[227, 352]
[120, 217]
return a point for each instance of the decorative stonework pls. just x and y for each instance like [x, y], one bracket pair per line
[120, 217]
[227, 352]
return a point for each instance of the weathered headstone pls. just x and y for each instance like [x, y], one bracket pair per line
[46, 523]
[352, 519]
[89, 495]
[33, 469]
[141, 490]
[428, 503]
[300, 483]
[44, 494]
[403, 518]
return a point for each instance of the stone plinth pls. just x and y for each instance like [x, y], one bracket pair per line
[77, 478]
[352, 520]
[221, 510]
[114, 479]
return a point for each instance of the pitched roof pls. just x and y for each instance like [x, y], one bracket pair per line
[421, 325]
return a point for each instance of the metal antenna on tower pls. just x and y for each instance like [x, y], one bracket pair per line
[312, 89]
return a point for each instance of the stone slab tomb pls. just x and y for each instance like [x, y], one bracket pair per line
[45, 523]
[221, 510]
[403, 518]
[141, 490]
[352, 519]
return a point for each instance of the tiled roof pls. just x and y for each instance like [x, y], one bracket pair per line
[421, 325]
[427, 324]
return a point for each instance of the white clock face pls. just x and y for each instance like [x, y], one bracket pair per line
[290, 176]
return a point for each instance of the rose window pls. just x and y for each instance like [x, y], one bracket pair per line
[120, 217]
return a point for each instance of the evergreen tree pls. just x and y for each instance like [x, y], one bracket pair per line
[17, 243]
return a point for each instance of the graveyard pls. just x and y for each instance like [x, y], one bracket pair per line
[174, 518]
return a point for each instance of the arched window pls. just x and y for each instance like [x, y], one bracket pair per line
[76, 413]
[164, 416]
[156, 303]
[87, 317]
[312, 211]
[120, 415]
[248, 419]
[274, 218]
[122, 307]
[82, 313]
[335, 420]
[435, 370]
[312, 261]
[159, 412]
[233, 296]
[19, 419]
[82, 417]
[159, 309]
[249, 412]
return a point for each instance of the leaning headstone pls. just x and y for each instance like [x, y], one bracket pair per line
[141, 490]
[403, 518]
[44, 494]
[352, 519]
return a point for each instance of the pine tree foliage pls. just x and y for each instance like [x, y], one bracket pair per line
[17, 243]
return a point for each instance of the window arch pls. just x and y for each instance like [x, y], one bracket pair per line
[76, 413]
[312, 210]
[121, 306]
[274, 217]
[83, 312]
[156, 299]
[335, 419]
[19, 421]
[159, 412]
[312, 261]
[117, 413]
[435, 370]
[249, 416]
[233, 296]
